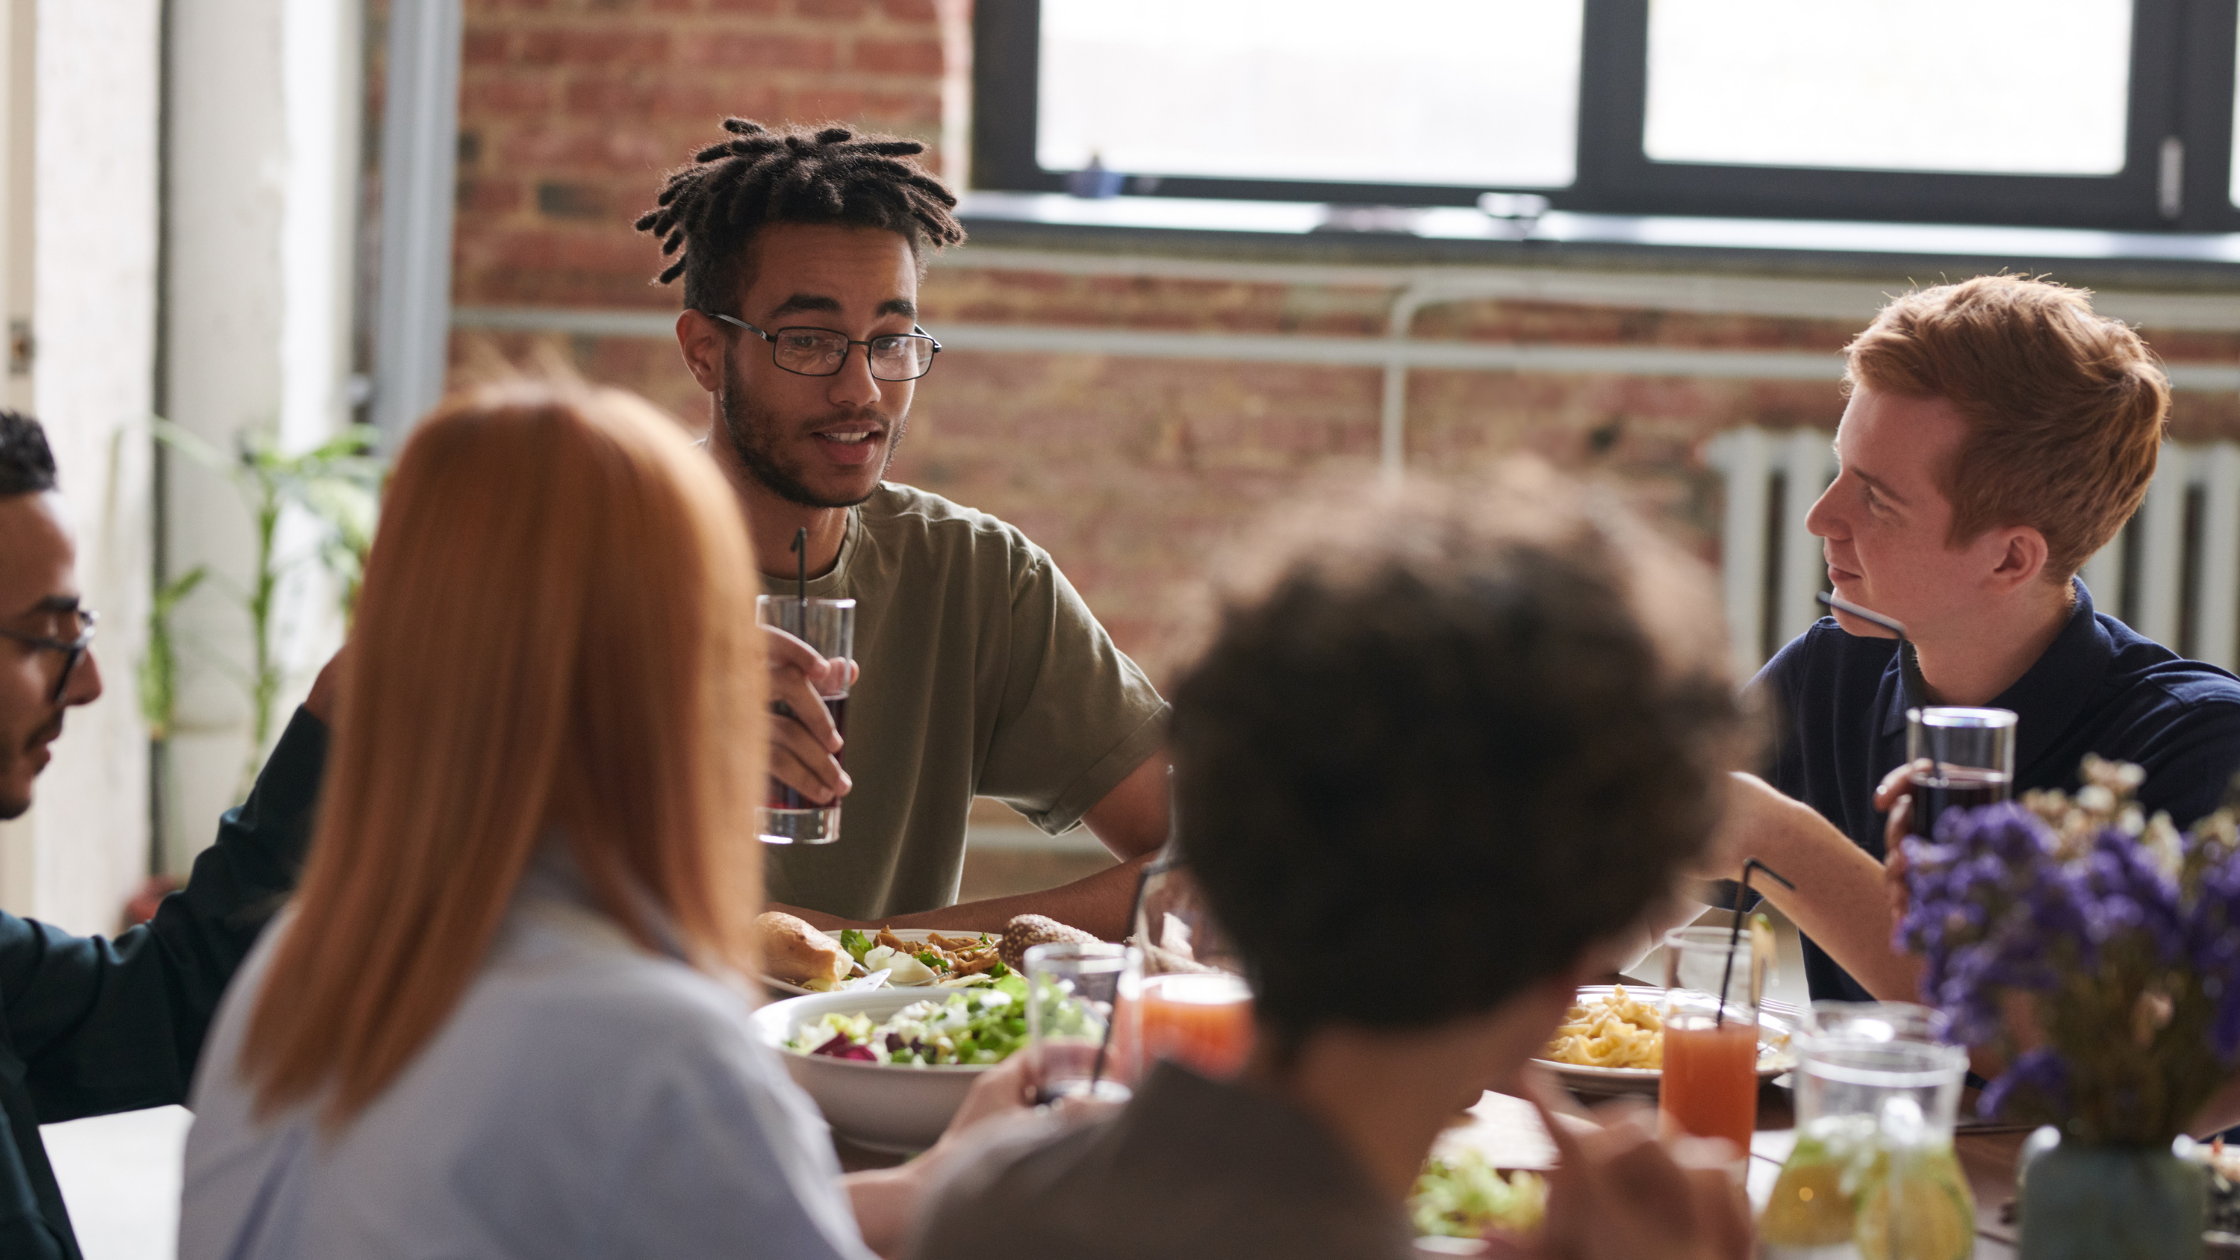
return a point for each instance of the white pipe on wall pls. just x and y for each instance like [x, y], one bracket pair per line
[2163, 520]
[1745, 455]
[419, 163]
[2217, 619]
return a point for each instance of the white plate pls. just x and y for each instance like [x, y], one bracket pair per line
[1777, 1022]
[913, 936]
[879, 1105]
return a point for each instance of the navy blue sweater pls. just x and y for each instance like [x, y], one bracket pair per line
[2101, 688]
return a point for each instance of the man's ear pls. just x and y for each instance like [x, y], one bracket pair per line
[702, 340]
[2021, 557]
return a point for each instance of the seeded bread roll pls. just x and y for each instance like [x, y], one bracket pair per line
[799, 954]
[1030, 930]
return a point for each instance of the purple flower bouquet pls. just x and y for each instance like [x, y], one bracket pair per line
[2094, 951]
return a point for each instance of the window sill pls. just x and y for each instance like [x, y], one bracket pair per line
[1298, 230]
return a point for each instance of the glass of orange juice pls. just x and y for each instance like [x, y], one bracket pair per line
[1201, 1020]
[1185, 1001]
[1710, 1082]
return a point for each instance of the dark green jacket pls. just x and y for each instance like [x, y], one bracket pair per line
[90, 1026]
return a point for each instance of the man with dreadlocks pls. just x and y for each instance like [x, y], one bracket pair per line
[981, 672]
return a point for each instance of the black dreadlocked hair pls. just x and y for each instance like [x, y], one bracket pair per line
[714, 207]
[26, 464]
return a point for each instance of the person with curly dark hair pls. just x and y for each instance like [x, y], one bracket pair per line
[981, 670]
[1445, 750]
[97, 1025]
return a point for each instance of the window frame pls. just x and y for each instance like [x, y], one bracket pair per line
[1007, 85]
[2181, 85]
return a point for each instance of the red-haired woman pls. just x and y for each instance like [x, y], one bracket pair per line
[506, 1014]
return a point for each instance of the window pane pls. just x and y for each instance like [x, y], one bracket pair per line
[2000, 86]
[1469, 92]
[2236, 134]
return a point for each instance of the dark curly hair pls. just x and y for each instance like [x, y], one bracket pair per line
[713, 208]
[26, 463]
[1447, 741]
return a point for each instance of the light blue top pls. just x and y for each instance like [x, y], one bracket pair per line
[586, 1099]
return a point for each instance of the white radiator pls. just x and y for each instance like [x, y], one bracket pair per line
[2173, 573]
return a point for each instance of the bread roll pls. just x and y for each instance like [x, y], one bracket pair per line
[1029, 930]
[799, 954]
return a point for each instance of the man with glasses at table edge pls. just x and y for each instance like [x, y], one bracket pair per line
[981, 672]
[1998, 433]
[95, 1026]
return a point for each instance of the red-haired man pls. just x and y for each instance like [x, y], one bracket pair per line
[1999, 432]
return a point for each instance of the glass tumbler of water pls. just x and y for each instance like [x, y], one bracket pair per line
[1960, 759]
[828, 626]
[1072, 990]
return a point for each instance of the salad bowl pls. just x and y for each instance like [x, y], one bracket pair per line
[886, 1107]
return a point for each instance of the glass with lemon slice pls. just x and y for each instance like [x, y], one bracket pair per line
[1873, 1176]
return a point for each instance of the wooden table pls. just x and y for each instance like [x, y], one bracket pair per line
[1507, 1131]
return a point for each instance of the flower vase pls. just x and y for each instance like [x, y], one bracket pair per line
[2081, 1201]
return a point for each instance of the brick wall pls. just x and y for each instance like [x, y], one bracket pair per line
[1131, 471]
[569, 110]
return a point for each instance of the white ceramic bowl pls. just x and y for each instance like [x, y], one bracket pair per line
[877, 1105]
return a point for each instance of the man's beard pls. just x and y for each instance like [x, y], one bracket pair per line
[752, 430]
[48, 732]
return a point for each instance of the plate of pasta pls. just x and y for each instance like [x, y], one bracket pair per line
[1612, 1042]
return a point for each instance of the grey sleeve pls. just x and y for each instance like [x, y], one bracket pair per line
[978, 1210]
[1077, 715]
[726, 1158]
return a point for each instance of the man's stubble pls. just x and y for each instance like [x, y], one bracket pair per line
[752, 430]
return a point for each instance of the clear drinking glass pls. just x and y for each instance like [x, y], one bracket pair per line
[1188, 1000]
[1873, 1171]
[1879, 1021]
[1071, 993]
[1709, 1085]
[828, 626]
[1961, 758]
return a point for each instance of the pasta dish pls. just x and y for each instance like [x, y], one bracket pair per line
[1615, 1030]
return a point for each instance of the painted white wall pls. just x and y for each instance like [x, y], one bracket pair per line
[264, 98]
[80, 851]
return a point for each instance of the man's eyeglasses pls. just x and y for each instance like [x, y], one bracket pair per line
[823, 352]
[73, 650]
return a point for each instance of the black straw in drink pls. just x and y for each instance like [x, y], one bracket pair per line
[828, 627]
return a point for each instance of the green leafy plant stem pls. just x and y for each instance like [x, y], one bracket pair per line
[337, 483]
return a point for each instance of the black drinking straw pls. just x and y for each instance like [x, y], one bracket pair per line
[1166, 861]
[1910, 682]
[1135, 910]
[1734, 934]
[800, 550]
[1914, 687]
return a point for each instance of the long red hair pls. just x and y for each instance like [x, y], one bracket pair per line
[556, 638]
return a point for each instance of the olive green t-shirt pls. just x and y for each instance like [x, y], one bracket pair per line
[981, 674]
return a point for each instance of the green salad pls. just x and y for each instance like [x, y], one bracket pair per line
[970, 1026]
[1466, 1197]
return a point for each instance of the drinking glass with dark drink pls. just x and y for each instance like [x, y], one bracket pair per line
[828, 626]
[1960, 759]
